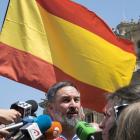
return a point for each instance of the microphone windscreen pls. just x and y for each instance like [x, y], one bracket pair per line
[44, 122]
[54, 131]
[34, 105]
[84, 130]
[29, 119]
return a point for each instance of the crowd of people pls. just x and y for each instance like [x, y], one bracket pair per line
[120, 123]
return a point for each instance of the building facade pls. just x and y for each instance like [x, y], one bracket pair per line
[131, 31]
[126, 30]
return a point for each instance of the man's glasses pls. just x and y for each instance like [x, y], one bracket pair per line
[118, 110]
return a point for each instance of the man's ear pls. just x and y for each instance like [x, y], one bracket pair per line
[51, 108]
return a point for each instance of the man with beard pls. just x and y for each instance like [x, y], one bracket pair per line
[64, 105]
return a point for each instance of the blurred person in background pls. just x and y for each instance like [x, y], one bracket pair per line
[128, 127]
[125, 95]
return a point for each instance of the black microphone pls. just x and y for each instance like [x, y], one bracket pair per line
[33, 110]
[25, 108]
[34, 106]
[12, 134]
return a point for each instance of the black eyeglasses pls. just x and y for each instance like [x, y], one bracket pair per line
[118, 110]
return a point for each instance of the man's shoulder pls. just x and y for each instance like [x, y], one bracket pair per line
[75, 137]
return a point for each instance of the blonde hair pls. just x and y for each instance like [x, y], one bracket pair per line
[128, 127]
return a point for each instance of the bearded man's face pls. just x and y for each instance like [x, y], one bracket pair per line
[67, 107]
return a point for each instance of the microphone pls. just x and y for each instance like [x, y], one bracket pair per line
[98, 135]
[54, 131]
[34, 130]
[30, 119]
[34, 106]
[84, 131]
[25, 108]
[19, 125]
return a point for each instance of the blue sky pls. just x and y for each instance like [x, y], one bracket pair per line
[111, 11]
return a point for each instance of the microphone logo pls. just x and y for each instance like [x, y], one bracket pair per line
[30, 118]
[22, 104]
[78, 131]
[36, 133]
[56, 132]
[20, 111]
[87, 125]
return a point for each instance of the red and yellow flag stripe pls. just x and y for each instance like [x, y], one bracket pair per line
[61, 41]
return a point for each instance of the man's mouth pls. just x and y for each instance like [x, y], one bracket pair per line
[72, 113]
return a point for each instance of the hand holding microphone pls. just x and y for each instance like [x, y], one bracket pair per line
[8, 116]
[18, 110]
[23, 108]
[19, 125]
[3, 134]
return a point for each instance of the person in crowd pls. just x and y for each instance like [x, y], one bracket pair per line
[3, 134]
[65, 107]
[112, 132]
[125, 95]
[95, 126]
[128, 127]
[8, 116]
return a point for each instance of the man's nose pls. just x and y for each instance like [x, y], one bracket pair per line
[72, 103]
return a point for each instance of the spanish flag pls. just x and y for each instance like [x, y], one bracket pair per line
[47, 41]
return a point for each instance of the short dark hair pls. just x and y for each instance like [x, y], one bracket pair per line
[128, 94]
[54, 88]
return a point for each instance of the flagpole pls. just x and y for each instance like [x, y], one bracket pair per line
[5, 15]
[123, 10]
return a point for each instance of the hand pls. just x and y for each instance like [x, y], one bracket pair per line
[12, 138]
[95, 126]
[3, 134]
[8, 116]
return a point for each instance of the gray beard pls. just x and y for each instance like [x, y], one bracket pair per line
[69, 121]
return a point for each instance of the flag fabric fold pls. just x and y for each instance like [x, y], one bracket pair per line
[47, 41]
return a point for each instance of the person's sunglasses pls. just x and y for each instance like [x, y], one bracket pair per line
[118, 110]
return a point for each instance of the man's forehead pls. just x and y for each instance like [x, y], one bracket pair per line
[67, 91]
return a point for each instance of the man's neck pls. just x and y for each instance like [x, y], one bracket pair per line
[68, 132]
